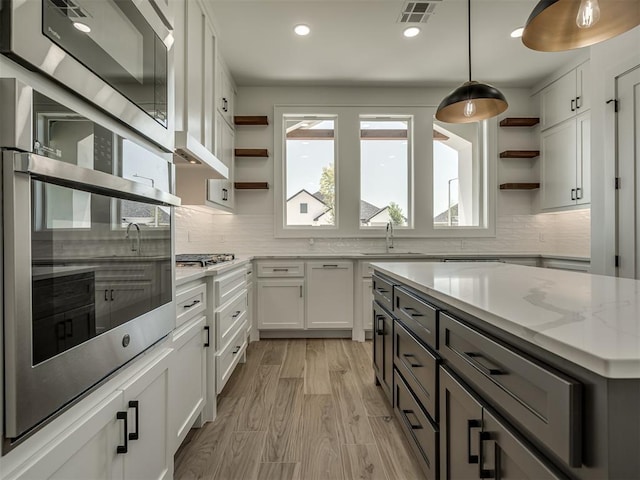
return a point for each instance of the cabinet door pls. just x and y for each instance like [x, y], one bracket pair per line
[281, 304]
[583, 158]
[86, 450]
[367, 300]
[558, 101]
[209, 111]
[460, 427]
[221, 192]
[583, 87]
[147, 403]
[188, 380]
[194, 66]
[558, 151]
[383, 349]
[506, 456]
[329, 294]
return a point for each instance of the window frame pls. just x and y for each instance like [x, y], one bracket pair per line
[347, 166]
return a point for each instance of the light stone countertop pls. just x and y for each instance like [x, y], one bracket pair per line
[188, 274]
[590, 320]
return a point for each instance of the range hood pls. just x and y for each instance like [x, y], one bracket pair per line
[191, 154]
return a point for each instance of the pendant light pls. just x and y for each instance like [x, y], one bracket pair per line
[472, 101]
[557, 25]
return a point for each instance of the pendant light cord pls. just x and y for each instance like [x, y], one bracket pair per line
[469, 34]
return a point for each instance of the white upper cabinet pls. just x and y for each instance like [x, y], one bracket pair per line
[225, 92]
[194, 69]
[566, 97]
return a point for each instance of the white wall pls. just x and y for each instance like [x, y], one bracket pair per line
[251, 230]
[608, 60]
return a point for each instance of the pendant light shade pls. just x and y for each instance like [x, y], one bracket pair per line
[472, 101]
[557, 25]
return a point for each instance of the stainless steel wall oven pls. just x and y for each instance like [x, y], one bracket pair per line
[88, 271]
[112, 52]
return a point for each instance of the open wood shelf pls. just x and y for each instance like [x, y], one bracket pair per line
[520, 154]
[519, 186]
[251, 152]
[251, 185]
[244, 120]
[519, 121]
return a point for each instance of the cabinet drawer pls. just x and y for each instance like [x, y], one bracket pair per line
[229, 319]
[281, 269]
[228, 285]
[419, 317]
[419, 368]
[383, 291]
[540, 400]
[228, 358]
[190, 303]
[422, 436]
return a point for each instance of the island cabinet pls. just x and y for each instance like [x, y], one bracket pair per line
[477, 400]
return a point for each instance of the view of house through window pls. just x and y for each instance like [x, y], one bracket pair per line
[310, 163]
[456, 200]
[384, 171]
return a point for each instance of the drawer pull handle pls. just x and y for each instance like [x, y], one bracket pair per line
[414, 426]
[135, 435]
[382, 291]
[471, 424]
[236, 350]
[330, 266]
[192, 304]
[235, 315]
[380, 325]
[409, 310]
[483, 472]
[409, 356]
[123, 448]
[471, 358]
[280, 269]
[208, 342]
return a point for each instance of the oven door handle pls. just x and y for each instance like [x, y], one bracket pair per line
[92, 181]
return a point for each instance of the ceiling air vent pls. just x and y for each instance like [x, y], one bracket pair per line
[417, 11]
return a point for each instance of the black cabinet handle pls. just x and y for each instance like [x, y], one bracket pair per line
[471, 358]
[578, 102]
[106, 295]
[409, 310]
[573, 104]
[280, 270]
[60, 333]
[409, 356]
[236, 350]
[471, 424]
[330, 266]
[573, 194]
[381, 290]
[135, 435]
[380, 320]
[112, 295]
[482, 472]
[123, 448]
[414, 426]
[206, 329]
[578, 193]
[193, 304]
[237, 312]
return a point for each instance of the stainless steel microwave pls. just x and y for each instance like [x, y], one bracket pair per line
[88, 248]
[113, 53]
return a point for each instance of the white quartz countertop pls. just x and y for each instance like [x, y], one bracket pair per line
[590, 320]
[187, 274]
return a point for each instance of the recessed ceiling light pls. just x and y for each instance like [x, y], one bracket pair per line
[517, 33]
[302, 30]
[83, 27]
[411, 32]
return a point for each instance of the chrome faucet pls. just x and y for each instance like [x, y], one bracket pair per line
[389, 237]
[135, 247]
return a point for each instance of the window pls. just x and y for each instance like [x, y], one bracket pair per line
[384, 171]
[309, 171]
[346, 171]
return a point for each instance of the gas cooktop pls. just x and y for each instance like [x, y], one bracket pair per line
[202, 259]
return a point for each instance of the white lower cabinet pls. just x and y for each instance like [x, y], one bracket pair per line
[125, 436]
[188, 383]
[228, 357]
[329, 295]
[281, 304]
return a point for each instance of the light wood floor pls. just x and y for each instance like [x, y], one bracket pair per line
[303, 410]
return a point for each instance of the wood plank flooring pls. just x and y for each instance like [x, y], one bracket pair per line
[303, 409]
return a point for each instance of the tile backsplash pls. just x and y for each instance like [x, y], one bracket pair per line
[200, 231]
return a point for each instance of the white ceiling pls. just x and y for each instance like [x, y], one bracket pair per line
[360, 42]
